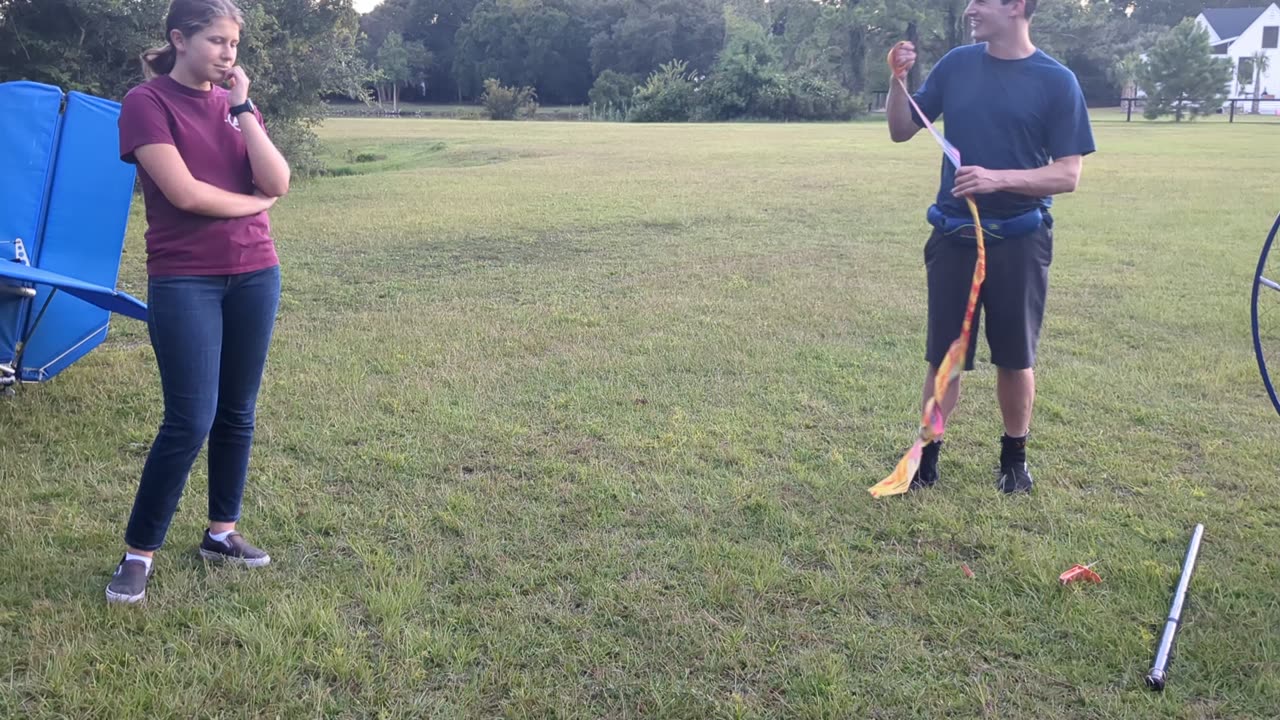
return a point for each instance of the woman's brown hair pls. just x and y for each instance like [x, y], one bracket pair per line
[188, 17]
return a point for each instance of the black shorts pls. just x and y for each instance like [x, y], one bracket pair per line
[1012, 297]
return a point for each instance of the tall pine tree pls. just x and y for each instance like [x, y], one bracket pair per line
[1181, 77]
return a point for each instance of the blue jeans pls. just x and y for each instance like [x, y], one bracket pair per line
[210, 336]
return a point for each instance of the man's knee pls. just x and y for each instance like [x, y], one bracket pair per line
[1010, 373]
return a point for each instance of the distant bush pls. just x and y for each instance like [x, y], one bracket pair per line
[508, 103]
[806, 96]
[363, 157]
[668, 95]
[673, 94]
[611, 93]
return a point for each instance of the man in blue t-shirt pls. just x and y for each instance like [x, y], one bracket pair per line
[1019, 121]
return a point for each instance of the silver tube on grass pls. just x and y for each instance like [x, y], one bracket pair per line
[1156, 678]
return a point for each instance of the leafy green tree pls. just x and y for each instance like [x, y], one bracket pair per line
[399, 64]
[91, 46]
[645, 34]
[747, 64]
[525, 42]
[296, 52]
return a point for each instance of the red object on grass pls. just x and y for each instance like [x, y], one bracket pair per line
[1079, 573]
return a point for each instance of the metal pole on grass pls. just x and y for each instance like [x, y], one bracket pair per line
[1156, 678]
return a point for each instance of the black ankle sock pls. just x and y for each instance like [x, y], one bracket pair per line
[927, 474]
[929, 455]
[1013, 450]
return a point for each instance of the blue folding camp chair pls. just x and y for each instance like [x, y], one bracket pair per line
[64, 206]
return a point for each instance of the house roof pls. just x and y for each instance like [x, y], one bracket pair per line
[1232, 22]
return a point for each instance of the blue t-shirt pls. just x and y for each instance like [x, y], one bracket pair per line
[1003, 114]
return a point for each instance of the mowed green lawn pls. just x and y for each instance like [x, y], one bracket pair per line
[570, 420]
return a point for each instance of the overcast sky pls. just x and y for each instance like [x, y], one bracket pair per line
[366, 5]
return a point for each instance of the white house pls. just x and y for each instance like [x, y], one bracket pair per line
[1239, 34]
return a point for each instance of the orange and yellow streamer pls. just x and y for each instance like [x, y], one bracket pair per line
[932, 424]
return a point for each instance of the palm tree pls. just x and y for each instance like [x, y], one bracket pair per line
[1125, 74]
[1261, 61]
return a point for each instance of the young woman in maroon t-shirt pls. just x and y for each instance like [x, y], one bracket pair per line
[209, 174]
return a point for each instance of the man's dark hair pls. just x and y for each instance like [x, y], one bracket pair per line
[1028, 10]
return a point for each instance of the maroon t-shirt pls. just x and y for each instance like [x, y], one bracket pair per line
[200, 125]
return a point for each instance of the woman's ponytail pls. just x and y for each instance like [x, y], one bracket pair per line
[159, 60]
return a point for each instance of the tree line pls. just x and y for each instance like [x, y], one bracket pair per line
[627, 59]
[444, 50]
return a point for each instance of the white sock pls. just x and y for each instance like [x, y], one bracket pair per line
[146, 560]
[222, 536]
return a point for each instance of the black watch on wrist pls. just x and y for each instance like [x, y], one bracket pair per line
[245, 107]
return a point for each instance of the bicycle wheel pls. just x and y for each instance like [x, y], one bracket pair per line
[1266, 313]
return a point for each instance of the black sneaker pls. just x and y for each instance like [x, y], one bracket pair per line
[1014, 479]
[129, 583]
[232, 550]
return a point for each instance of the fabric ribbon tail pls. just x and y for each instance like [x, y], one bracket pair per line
[899, 481]
[932, 424]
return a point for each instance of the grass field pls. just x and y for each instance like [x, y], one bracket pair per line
[569, 420]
